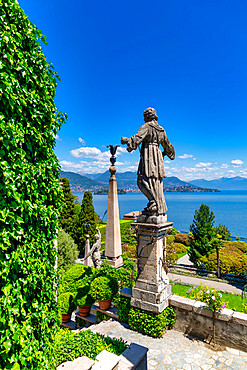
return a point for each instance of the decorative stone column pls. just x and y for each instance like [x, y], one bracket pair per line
[113, 248]
[152, 287]
[88, 261]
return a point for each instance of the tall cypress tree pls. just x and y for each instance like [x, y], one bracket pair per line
[86, 222]
[67, 219]
[203, 233]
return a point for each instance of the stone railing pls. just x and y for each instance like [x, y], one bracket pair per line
[196, 319]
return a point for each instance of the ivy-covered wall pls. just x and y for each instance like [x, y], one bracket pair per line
[29, 193]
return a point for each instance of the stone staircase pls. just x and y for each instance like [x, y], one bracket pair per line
[97, 315]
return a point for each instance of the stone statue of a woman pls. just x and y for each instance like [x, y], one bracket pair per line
[151, 168]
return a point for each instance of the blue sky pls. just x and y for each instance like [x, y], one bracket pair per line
[185, 58]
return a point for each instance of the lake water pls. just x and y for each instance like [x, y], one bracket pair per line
[229, 207]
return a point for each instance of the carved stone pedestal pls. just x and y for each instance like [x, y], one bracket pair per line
[152, 287]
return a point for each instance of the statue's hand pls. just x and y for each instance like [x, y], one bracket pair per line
[124, 140]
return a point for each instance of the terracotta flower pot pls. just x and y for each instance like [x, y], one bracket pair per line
[66, 317]
[84, 310]
[104, 305]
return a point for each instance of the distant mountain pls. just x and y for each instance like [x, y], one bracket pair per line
[128, 180]
[125, 180]
[224, 183]
[170, 182]
[81, 183]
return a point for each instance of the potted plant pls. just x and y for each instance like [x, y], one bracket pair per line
[103, 289]
[66, 305]
[84, 299]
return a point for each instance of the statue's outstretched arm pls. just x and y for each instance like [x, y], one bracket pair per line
[135, 140]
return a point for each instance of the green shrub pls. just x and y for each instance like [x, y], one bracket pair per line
[123, 309]
[129, 250]
[174, 231]
[67, 251]
[170, 239]
[83, 296]
[122, 275]
[242, 246]
[103, 288]
[66, 303]
[69, 345]
[30, 194]
[232, 260]
[183, 239]
[179, 248]
[150, 323]
[74, 276]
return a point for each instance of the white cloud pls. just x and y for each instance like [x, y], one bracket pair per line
[85, 152]
[237, 162]
[224, 165]
[82, 141]
[167, 161]
[122, 149]
[57, 137]
[185, 156]
[204, 164]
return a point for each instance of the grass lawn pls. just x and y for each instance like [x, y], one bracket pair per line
[232, 301]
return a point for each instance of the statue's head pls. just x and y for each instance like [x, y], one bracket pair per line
[150, 114]
[96, 237]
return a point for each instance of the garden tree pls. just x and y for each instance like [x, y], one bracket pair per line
[87, 222]
[30, 194]
[67, 251]
[67, 220]
[203, 232]
[217, 244]
[223, 231]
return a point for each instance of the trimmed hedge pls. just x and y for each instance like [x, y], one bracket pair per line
[74, 276]
[69, 345]
[124, 306]
[103, 288]
[150, 323]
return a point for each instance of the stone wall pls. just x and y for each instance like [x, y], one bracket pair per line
[195, 319]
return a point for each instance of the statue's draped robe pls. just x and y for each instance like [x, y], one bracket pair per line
[151, 168]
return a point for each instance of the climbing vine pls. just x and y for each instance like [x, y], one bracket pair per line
[29, 193]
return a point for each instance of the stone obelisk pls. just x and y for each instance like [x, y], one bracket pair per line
[113, 248]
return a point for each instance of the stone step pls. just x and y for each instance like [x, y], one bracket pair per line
[126, 292]
[91, 319]
[111, 312]
[79, 363]
[69, 325]
[106, 361]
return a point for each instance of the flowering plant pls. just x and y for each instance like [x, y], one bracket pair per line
[210, 296]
